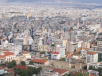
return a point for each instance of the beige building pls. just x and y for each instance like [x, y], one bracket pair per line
[19, 59]
[85, 45]
[42, 47]
[58, 42]
[61, 64]
[71, 46]
[26, 54]
[64, 42]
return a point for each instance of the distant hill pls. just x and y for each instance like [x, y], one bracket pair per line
[84, 1]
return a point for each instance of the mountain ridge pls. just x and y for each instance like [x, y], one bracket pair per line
[83, 1]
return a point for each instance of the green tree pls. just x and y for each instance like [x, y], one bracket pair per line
[3, 64]
[65, 75]
[53, 45]
[15, 74]
[29, 72]
[24, 73]
[31, 62]
[70, 74]
[99, 58]
[17, 29]
[39, 69]
[91, 68]
[14, 63]
[10, 65]
[17, 71]
[42, 52]
[63, 59]
[23, 63]
[85, 67]
[81, 74]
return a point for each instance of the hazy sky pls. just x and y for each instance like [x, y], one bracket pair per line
[86, 1]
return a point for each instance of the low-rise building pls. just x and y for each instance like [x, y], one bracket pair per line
[61, 71]
[26, 54]
[7, 56]
[92, 72]
[21, 67]
[55, 55]
[49, 73]
[39, 61]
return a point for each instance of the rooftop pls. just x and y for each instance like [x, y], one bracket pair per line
[86, 48]
[9, 70]
[21, 67]
[91, 52]
[6, 54]
[25, 52]
[90, 75]
[69, 56]
[39, 61]
[60, 71]
[55, 53]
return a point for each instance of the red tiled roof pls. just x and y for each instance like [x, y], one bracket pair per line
[33, 57]
[60, 71]
[8, 53]
[55, 53]
[2, 56]
[91, 52]
[39, 61]
[69, 56]
[90, 75]
[94, 43]
[3, 66]
[48, 51]
[10, 70]
[100, 63]
[25, 52]
[21, 67]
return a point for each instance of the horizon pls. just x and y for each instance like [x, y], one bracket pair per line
[82, 1]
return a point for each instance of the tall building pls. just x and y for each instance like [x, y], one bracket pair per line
[58, 42]
[85, 45]
[99, 42]
[34, 46]
[78, 24]
[40, 41]
[64, 42]
[71, 47]
[91, 57]
[45, 40]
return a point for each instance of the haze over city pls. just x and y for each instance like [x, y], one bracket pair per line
[50, 38]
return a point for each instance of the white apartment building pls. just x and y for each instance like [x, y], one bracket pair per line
[55, 55]
[61, 50]
[91, 57]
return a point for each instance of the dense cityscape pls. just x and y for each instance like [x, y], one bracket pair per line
[44, 39]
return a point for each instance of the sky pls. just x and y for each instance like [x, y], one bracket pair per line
[84, 1]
